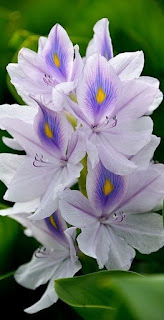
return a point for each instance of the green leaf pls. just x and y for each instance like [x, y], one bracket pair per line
[82, 178]
[114, 295]
[91, 295]
[7, 275]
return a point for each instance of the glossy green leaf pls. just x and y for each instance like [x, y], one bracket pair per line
[114, 295]
[91, 295]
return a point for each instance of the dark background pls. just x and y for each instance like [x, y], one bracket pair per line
[134, 25]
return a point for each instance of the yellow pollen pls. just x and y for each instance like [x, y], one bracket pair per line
[100, 96]
[56, 60]
[108, 187]
[52, 221]
[48, 131]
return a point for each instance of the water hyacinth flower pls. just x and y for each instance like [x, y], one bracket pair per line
[111, 113]
[53, 155]
[127, 65]
[37, 73]
[55, 259]
[116, 218]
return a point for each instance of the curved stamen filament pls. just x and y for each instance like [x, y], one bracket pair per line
[119, 217]
[48, 80]
[40, 162]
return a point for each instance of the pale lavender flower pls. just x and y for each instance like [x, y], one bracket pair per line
[111, 113]
[116, 218]
[53, 155]
[37, 73]
[127, 65]
[55, 259]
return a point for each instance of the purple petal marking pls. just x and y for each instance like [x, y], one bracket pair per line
[108, 188]
[103, 38]
[106, 45]
[100, 95]
[101, 42]
[58, 56]
[106, 50]
[49, 128]
[57, 226]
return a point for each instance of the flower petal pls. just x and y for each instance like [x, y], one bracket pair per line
[8, 166]
[53, 129]
[29, 182]
[32, 65]
[121, 253]
[143, 232]
[41, 44]
[36, 272]
[49, 200]
[76, 209]
[76, 147]
[97, 90]
[135, 99]
[128, 65]
[49, 232]
[59, 93]
[15, 111]
[26, 85]
[48, 298]
[145, 190]
[77, 66]
[159, 95]
[58, 53]
[66, 270]
[145, 155]
[12, 143]
[94, 241]
[101, 42]
[129, 136]
[104, 188]
[113, 160]
[20, 208]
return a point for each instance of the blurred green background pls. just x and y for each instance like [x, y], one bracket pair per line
[134, 25]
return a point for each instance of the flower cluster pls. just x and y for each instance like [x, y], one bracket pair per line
[94, 108]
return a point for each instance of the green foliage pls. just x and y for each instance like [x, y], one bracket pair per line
[8, 236]
[114, 295]
[7, 275]
[82, 179]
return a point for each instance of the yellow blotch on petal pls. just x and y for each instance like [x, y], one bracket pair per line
[56, 60]
[52, 221]
[48, 131]
[100, 96]
[108, 187]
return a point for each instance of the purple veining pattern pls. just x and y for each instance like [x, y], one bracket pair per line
[57, 226]
[100, 199]
[58, 48]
